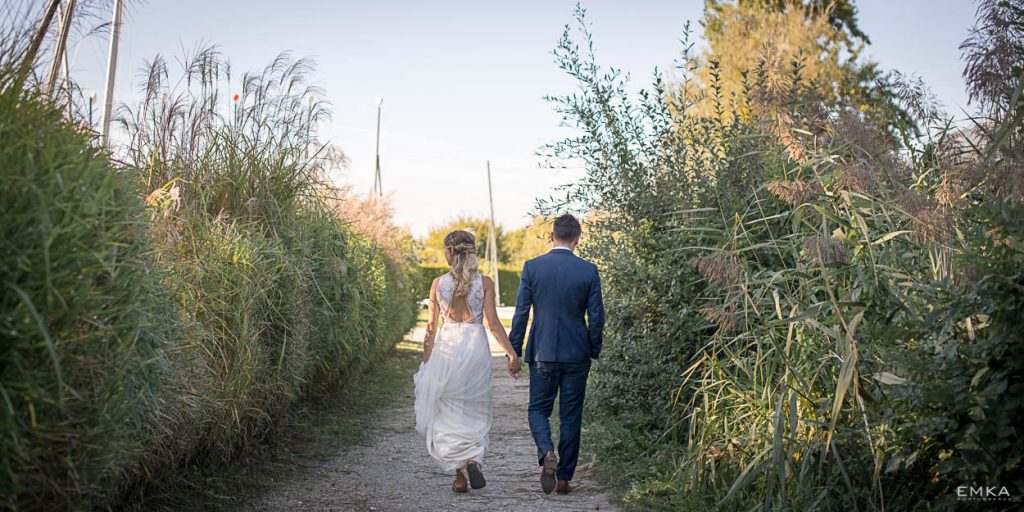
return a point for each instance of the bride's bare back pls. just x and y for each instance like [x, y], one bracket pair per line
[459, 311]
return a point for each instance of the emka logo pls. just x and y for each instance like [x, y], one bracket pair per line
[982, 493]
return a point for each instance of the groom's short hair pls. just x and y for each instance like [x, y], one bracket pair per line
[567, 228]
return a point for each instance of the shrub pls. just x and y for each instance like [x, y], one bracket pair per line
[820, 313]
[138, 339]
[82, 316]
[284, 296]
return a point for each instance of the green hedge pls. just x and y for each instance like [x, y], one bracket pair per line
[508, 284]
[135, 338]
[82, 314]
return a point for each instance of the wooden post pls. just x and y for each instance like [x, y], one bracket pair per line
[108, 101]
[378, 185]
[492, 240]
[37, 39]
[60, 52]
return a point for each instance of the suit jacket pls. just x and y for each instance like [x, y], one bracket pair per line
[564, 291]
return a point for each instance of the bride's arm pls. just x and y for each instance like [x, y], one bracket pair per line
[433, 313]
[495, 327]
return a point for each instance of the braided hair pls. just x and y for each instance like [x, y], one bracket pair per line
[462, 245]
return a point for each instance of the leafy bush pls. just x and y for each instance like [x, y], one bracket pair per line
[805, 311]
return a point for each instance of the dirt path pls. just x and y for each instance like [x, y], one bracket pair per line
[392, 471]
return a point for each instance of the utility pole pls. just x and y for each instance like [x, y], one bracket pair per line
[108, 101]
[92, 103]
[60, 52]
[37, 39]
[378, 185]
[492, 240]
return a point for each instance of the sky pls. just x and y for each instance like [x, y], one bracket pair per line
[463, 81]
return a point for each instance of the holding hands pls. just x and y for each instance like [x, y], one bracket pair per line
[513, 364]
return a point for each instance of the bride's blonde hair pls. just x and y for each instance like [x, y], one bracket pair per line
[462, 245]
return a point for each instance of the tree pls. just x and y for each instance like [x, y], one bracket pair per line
[528, 241]
[769, 36]
[842, 14]
[431, 249]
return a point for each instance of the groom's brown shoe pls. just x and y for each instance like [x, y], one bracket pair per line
[547, 473]
[562, 487]
[476, 476]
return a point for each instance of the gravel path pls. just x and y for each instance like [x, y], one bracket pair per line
[392, 471]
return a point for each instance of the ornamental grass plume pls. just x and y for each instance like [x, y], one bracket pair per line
[726, 319]
[857, 177]
[1007, 179]
[718, 268]
[825, 250]
[793, 192]
[863, 139]
[932, 223]
[770, 91]
[994, 53]
[373, 218]
[949, 192]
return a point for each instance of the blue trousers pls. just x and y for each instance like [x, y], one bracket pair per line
[568, 381]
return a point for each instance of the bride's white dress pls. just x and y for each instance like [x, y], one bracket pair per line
[453, 388]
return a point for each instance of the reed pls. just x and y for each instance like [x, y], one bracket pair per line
[83, 313]
[166, 303]
[282, 294]
[807, 310]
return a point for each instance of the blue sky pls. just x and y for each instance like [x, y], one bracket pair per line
[463, 81]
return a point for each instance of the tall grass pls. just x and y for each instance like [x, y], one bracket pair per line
[807, 311]
[163, 311]
[282, 295]
[83, 316]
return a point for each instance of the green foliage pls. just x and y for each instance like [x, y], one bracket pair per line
[82, 314]
[748, 38]
[514, 247]
[528, 241]
[801, 314]
[432, 246]
[137, 340]
[310, 434]
[967, 345]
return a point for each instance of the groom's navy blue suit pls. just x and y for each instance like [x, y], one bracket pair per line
[568, 319]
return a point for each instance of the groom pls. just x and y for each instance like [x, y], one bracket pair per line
[568, 318]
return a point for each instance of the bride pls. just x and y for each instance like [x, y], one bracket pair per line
[453, 385]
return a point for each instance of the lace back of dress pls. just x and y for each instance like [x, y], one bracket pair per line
[465, 309]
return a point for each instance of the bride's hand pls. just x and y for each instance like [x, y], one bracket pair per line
[514, 365]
